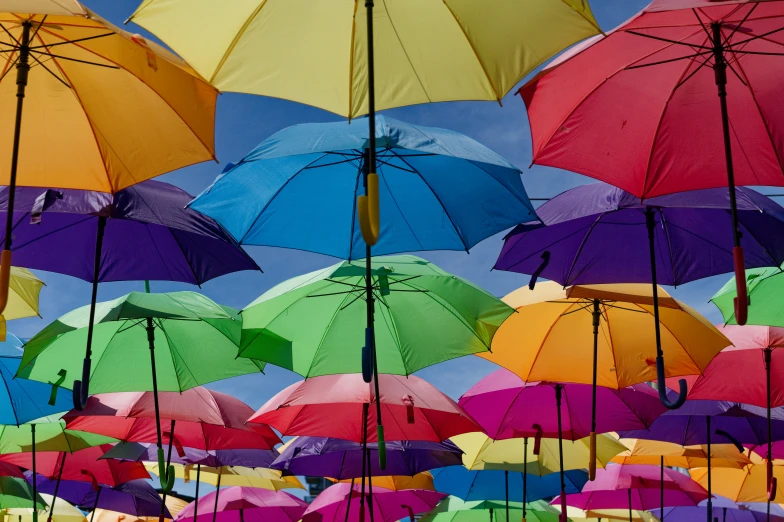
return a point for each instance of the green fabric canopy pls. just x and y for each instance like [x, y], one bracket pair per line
[765, 288]
[50, 435]
[454, 509]
[315, 324]
[18, 493]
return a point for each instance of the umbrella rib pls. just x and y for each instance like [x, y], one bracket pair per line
[670, 60]
[666, 227]
[65, 42]
[394, 200]
[42, 64]
[394, 331]
[580, 248]
[668, 40]
[236, 39]
[320, 344]
[408, 58]
[75, 60]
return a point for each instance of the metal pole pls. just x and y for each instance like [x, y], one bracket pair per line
[597, 317]
[661, 487]
[196, 500]
[166, 481]
[217, 494]
[350, 494]
[710, 502]
[95, 505]
[631, 517]
[365, 408]
[56, 487]
[35, 476]
[525, 475]
[370, 486]
[506, 488]
[162, 516]
[768, 355]
[558, 390]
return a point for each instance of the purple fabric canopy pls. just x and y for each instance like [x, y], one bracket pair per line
[149, 235]
[342, 459]
[597, 234]
[722, 514]
[248, 458]
[136, 497]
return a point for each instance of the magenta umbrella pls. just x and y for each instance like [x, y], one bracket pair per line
[338, 503]
[242, 504]
[638, 488]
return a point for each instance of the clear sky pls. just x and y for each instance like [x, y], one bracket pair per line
[243, 121]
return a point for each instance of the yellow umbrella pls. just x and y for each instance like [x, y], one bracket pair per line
[264, 478]
[92, 107]
[173, 504]
[422, 480]
[602, 335]
[749, 484]
[63, 512]
[657, 453]
[22, 298]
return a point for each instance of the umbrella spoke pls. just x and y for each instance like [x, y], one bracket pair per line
[668, 40]
[60, 57]
[660, 62]
[42, 64]
[66, 42]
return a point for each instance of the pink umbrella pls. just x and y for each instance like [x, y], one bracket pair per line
[333, 406]
[506, 408]
[638, 488]
[343, 502]
[242, 504]
[684, 96]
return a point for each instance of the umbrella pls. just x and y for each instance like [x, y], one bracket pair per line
[454, 509]
[136, 497]
[141, 232]
[597, 515]
[251, 504]
[196, 343]
[334, 504]
[553, 325]
[721, 378]
[738, 513]
[342, 459]
[22, 401]
[173, 504]
[586, 226]
[23, 292]
[249, 458]
[64, 512]
[506, 407]
[130, 109]
[657, 453]
[637, 487]
[263, 478]
[420, 481]
[765, 287]
[748, 484]
[16, 493]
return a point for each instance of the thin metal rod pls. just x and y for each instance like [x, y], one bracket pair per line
[558, 391]
[661, 487]
[768, 355]
[196, 501]
[95, 504]
[151, 342]
[506, 489]
[351, 494]
[56, 487]
[162, 515]
[370, 485]
[525, 474]
[631, 518]
[710, 502]
[35, 476]
[217, 494]
[365, 411]
[596, 315]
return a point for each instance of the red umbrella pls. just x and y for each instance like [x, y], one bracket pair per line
[333, 405]
[686, 95]
[200, 418]
[742, 373]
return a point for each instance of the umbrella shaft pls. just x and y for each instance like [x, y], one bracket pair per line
[151, 342]
[371, 92]
[96, 276]
[196, 502]
[95, 505]
[370, 486]
[597, 317]
[525, 473]
[168, 462]
[217, 494]
[558, 391]
[57, 485]
[710, 503]
[35, 476]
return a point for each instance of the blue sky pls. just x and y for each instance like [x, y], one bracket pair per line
[243, 121]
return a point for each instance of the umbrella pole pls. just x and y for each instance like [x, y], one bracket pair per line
[161, 517]
[661, 486]
[365, 408]
[720, 70]
[35, 475]
[558, 391]
[95, 505]
[370, 486]
[631, 518]
[81, 389]
[597, 317]
[22, 70]
[525, 475]
[772, 486]
[217, 494]
[166, 475]
[650, 223]
[348, 503]
[56, 487]
[710, 502]
[196, 500]
[506, 489]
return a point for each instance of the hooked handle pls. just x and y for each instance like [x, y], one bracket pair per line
[55, 386]
[772, 482]
[382, 447]
[166, 475]
[410, 511]
[5, 278]
[368, 211]
[538, 271]
[81, 389]
[367, 356]
[742, 297]
[592, 457]
[733, 440]
[663, 387]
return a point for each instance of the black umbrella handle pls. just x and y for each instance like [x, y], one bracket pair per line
[538, 271]
[733, 440]
[81, 389]
[741, 300]
[662, 385]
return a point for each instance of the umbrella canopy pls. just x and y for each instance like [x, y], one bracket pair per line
[506, 407]
[472, 61]
[388, 506]
[637, 487]
[655, 453]
[342, 459]
[454, 509]
[84, 465]
[319, 163]
[16, 493]
[584, 227]
[484, 453]
[420, 481]
[764, 288]
[63, 512]
[491, 484]
[50, 435]
[136, 451]
[263, 478]
[241, 503]
[196, 342]
[147, 234]
[173, 504]
[136, 497]
[332, 406]
[204, 419]
[418, 306]
[749, 484]
[739, 513]
[22, 401]
[24, 289]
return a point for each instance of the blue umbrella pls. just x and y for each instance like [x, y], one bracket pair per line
[492, 484]
[22, 401]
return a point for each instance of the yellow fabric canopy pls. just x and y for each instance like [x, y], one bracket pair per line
[550, 338]
[316, 52]
[482, 453]
[135, 111]
[422, 480]
[24, 289]
[233, 476]
[650, 452]
[749, 484]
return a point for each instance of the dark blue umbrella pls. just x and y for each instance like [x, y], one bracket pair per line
[246, 458]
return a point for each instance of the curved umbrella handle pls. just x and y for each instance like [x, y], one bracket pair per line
[368, 211]
[733, 440]
[382, 447]
[772, 482]
[684, 389]
[81, 389]
[5, 278]
[538, 271]
[367, 356]
[592, 457]
[742, 298]
[166, 475]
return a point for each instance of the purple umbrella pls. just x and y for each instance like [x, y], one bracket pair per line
[597, 234]
[246, 458]
[342, 459]
[140, 233]
[241, 504]
[730, 513]
[136, 497]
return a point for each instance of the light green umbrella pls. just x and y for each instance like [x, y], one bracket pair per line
[454, 509]
[765, 288]
[142, 342]
[16, 493]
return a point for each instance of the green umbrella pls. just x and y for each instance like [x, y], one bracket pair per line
[16, 493]
[454, 509]
[142, 342]
[765, 287]
[424, 316]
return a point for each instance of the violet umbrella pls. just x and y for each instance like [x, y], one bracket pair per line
[660, 104]
[140, 233]
[598, 234]
[241, 504]
[334, 504]
[725, 510]
[637, 488]
[506, 407]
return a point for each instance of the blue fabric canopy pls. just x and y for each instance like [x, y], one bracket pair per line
[22, 400]
[438, 190]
